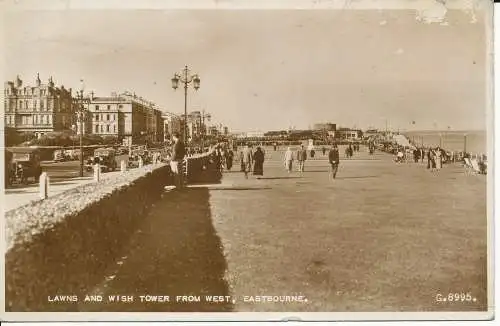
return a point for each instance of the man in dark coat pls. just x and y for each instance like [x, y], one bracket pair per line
[178, 153]
[301, 157]
[334, 159]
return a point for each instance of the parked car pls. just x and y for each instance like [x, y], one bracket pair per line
[106, 158]
[24, 164]
[59, 155]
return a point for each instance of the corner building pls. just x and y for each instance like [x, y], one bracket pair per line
[40, 108]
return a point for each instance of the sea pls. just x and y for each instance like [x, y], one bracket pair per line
[473, 141]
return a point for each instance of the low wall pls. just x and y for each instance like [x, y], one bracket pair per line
[63, 244]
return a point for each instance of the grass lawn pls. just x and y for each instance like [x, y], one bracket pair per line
[381, 237]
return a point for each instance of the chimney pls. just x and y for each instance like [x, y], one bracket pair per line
[19, 82]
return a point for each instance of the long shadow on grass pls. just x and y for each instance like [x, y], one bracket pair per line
[175, 252]
[278, 178]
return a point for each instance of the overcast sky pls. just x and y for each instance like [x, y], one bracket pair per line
[267, 70]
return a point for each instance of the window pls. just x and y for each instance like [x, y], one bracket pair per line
[120, 106]
[109, 107]
[41, 105]
[34, 105]
[102, 128]
[96, 117]
[96, 128]
[107, 128]
[97, 107]
[107, 117]
[114, 128]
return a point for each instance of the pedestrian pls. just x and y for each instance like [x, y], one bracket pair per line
[324, 150]
[312, 153]
[178, 153]
[438, 159]
[258, 159]
[301, 157]
[229, 159]
[429, 154]
[334, 159]
[247, 160]
[288, 159]
[416, 154]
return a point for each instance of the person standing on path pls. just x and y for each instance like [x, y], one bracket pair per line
[288, 159]
[178, 154]
[301, 157]
[247, 160]
[439, 158]
[334, 159]
[258, 158]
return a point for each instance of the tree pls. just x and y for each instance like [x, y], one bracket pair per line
[110, 140]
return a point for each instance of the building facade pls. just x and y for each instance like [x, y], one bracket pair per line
[130, 119]
[40, 108]
[171, 123]
[349, 134]
[325, 126]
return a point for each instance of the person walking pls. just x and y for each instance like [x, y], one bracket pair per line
[334, 159]
[301, 157]
[288, 159]
[439, 158]
[258, 159]
[324, 150]
[247, 160]
[312, 153]
[177, 159]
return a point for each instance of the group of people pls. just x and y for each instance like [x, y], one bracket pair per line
[349, 151]
[252, 161]
[301, 156]
[435, 156]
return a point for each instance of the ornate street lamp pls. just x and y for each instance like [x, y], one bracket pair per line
[186, 78]
[81, 112]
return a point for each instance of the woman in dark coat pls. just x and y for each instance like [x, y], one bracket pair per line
[229, 159]
[258, 167]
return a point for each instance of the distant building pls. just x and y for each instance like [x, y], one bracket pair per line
[349, 134]
[40, 108]
[325, 126]
[129, 118]
[171, 123]
[371, 132]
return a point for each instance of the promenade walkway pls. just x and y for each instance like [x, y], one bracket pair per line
[381, 237]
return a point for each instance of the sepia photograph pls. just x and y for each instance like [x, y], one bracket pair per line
[243, 160]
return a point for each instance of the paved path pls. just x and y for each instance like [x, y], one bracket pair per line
[19, 196]
[381, 237]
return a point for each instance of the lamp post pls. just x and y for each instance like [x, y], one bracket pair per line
[80, 114]
[186, 78]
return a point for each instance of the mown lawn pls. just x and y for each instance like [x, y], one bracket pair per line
[381, 237]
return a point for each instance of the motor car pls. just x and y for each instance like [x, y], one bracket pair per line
[106, 158]
[59, 155]
[24, 165]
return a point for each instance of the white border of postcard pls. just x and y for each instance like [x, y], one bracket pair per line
[419, 5]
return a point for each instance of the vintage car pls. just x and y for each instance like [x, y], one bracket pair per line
[24, 164]
[106, 158]
[60, 155]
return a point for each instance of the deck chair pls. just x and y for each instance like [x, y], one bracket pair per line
[475, 166]
[468, 166]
